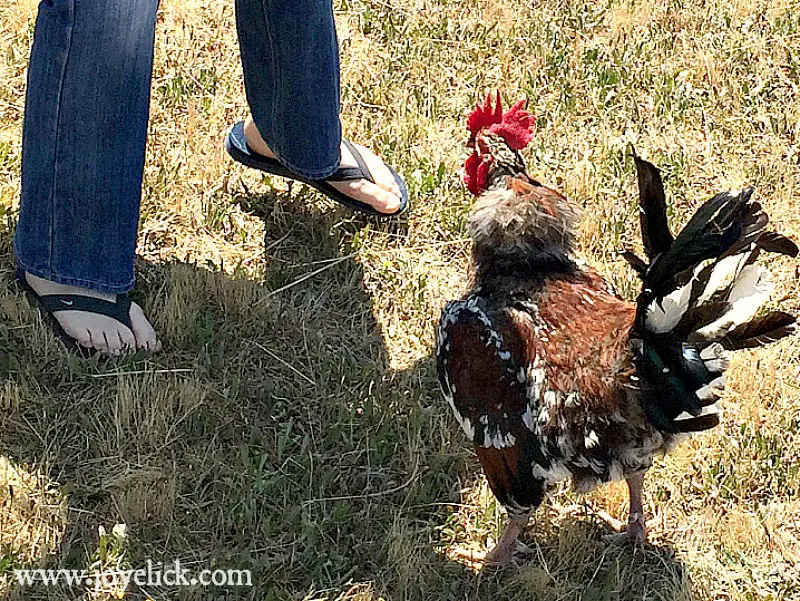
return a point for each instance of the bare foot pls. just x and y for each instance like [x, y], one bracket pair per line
[99, 332]
[383, 195]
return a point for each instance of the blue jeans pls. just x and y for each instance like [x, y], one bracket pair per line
[86, 116]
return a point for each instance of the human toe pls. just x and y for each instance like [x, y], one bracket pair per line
[381, 174]
[145, 336]
[373, 195]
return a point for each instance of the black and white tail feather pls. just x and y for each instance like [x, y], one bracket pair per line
[701, 294]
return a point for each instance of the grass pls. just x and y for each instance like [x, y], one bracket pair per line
[292, 426]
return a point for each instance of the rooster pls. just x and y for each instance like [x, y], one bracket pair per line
[551, 374]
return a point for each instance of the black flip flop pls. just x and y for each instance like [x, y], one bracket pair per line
[237, 147]
[50, 304]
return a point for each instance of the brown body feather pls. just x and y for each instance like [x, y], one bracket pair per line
[587, 348]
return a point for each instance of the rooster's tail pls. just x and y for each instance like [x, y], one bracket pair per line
[701, 298]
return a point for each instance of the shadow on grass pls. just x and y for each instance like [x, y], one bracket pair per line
[270, 435]
[573, 561]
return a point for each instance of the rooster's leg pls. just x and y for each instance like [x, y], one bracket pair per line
[636, 522]
[503, 553]
[634, 531]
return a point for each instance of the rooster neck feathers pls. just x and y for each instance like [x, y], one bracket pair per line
[503, 160]
[521, 230]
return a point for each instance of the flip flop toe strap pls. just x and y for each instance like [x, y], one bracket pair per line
[349, 174]
[118, 310]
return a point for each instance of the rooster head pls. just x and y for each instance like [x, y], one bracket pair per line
[496, 137]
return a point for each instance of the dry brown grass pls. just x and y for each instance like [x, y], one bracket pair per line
[234, 447]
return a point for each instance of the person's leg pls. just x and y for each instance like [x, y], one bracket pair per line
[290, 58]
[83, 152]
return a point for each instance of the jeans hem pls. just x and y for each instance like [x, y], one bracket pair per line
[72, 281]
[311, 174]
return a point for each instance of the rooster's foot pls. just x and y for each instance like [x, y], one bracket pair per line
[632, 532]
[508, 555]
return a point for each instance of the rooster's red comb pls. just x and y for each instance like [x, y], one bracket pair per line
[515, 126]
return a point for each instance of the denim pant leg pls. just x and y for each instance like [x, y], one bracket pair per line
[290, 57]
[84, 138]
